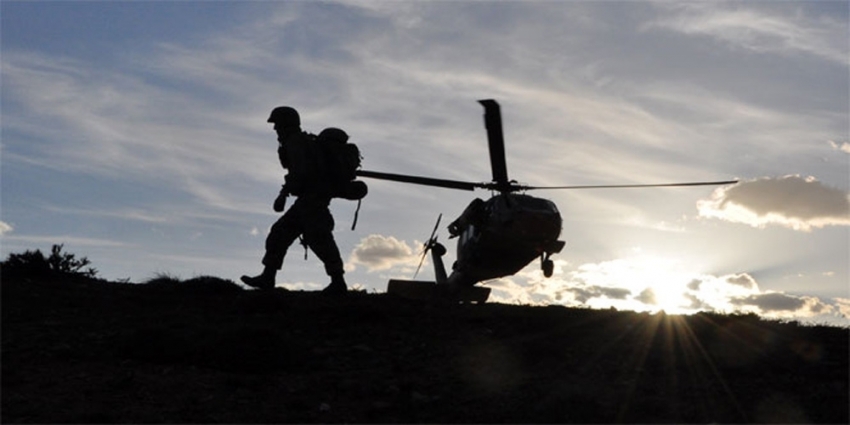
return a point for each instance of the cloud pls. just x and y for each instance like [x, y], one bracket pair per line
[843, 146]
[67, 240]
[5, 228]
[791, 201]
[647, 297]
[743, 280]
[843, 306]
[512, 291]
[652, 284]
[120, 125]
[777, 303]
[757, 30]
[378, 252]
[602, 292]
[694, 284]
[771, 302]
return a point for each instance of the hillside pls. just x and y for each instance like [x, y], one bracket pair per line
[77, 349]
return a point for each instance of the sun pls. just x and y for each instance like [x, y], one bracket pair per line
[664, 283]
[655, 283]
[670, 297]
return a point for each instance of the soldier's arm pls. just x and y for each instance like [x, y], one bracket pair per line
[283, 156]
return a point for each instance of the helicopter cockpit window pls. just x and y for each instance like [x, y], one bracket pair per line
[468, 234]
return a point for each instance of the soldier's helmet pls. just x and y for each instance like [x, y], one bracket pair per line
[286, 116]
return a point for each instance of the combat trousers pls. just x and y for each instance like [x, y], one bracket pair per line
[310, 218]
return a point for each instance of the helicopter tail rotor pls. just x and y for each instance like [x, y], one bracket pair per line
[432, 241]
[440, 288]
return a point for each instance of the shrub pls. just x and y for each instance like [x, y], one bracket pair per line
[163, 279]
[212, 284]
[34, 263]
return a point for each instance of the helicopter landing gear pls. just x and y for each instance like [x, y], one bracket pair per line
[547, 265]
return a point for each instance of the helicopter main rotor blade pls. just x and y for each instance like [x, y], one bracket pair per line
[628, 186]
[496, 141]
[427, 181]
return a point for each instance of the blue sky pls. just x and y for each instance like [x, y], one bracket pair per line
[135, 134]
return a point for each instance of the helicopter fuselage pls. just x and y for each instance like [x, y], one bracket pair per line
[502, 235]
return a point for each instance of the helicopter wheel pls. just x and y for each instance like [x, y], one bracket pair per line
[548, 268]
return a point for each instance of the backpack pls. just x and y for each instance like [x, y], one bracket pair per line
[342, 160]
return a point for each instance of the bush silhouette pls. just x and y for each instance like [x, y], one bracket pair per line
[34, 263]
[199, 284]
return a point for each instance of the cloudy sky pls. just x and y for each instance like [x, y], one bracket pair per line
[135, 134]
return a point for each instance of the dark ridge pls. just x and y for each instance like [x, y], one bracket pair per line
[81, 350]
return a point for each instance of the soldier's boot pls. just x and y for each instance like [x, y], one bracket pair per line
[337, 286]
[264, 280]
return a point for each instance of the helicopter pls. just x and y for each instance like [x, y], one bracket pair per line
[497, 237]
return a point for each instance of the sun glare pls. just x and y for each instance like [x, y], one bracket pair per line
[656, 283]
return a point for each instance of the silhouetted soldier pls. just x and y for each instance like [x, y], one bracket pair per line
[309, 217]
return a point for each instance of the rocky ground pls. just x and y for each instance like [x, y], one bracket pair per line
[81, 350]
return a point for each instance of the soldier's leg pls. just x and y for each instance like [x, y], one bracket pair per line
[282, 234]
[324, 246]
[318, 234]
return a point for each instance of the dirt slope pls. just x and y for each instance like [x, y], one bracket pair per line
[80, 350]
